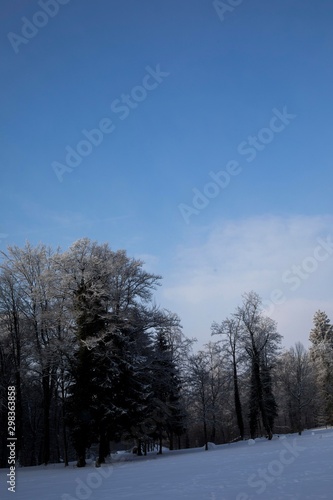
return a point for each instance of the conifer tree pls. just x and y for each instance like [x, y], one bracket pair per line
[168, 413]
[321, 337]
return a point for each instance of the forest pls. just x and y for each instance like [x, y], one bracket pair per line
[97, 366]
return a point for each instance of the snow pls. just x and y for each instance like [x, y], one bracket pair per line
[289, 467]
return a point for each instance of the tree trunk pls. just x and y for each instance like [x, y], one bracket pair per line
[256, 368]
[238, 406]
[104, 449]
[160, 443]
[63, 414]
[205, 434]
[171, 436]
[81, 450]
[253, 414]
[46, 419]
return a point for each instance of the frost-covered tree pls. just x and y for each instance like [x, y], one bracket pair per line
[230, 330]
[31, 269]
[169, 412]
[297, 377]
[200, 395]
[321, 337]
[321, 334]
[260, 341]
[12, 352]
[215, 365]
[206, 391]
[109, 297]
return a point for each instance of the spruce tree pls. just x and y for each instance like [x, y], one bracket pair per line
[321, 337]
[169, 415]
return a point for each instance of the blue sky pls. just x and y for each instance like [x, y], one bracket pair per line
[223, 79]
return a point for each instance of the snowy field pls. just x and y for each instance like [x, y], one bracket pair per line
[288, 467]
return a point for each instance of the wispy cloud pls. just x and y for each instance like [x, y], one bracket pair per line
[232, 257]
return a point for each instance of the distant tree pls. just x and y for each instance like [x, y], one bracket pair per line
[168, 409]
[216, 386]
[260, 341]
[321, 350]
[296, 373]
[230, 329]
[269, 401]
[321, 335]
[199, 390]
[171, 354]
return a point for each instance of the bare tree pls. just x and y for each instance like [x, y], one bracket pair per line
[297, 376]
[260, 341]
[31, 268]
[230, 329]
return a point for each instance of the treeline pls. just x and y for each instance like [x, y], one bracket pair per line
[95, 361]
[246, 385]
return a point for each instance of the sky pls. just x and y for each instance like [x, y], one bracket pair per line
[196, 135]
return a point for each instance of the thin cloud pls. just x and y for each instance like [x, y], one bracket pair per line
[233, 257]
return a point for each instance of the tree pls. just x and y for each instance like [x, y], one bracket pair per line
[260, 341]
[109, 293]
[170, 354]
[230, 329]
[199, 389]
[11, 345]
[321, 334]
[216, 386]
[297, 377]
[31, 269]
[321, 337]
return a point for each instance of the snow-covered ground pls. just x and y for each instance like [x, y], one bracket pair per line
[288, 467]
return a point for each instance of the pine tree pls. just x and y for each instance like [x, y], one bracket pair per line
[85, 391]
[321, 334]
[169, 415]
[321, 351]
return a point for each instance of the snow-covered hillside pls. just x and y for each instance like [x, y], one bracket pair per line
[289, 467]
